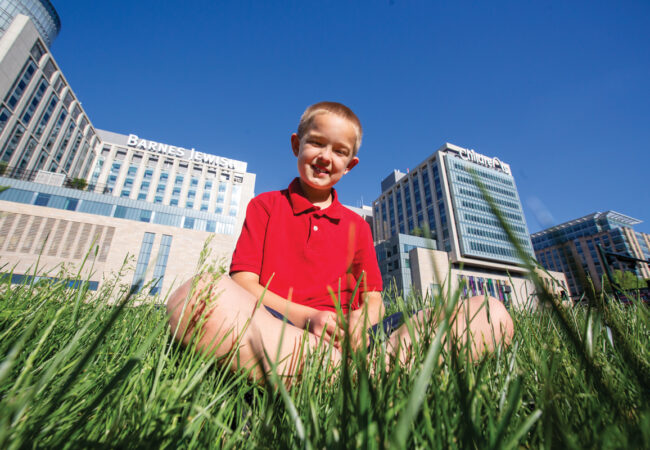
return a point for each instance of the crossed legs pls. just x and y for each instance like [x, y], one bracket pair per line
[217, 317]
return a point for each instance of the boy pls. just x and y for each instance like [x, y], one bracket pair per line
[304, 245]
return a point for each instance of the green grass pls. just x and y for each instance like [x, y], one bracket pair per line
[78, 371]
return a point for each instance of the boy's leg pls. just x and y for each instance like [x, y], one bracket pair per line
[230, 316]
[480, 323]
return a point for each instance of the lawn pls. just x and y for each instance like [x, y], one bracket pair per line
[77, 370]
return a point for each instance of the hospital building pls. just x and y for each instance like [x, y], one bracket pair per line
[75, 197]
[435, 228]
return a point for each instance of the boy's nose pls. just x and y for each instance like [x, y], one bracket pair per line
[325, 154]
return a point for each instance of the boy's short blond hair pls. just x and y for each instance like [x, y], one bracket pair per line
[338, 109]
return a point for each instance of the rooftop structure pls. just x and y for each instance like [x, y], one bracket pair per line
[41, 12]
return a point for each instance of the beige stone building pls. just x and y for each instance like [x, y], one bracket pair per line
[88, 247]
[432, 271]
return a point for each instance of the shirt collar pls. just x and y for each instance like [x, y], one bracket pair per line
[300, 204]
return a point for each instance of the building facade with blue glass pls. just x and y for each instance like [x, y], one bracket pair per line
[450, 197]
[571, 247]
[73, 192]
[41, 12]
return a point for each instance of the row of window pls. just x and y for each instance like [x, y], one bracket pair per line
[487, 209]
[492, 249]
[26, 117]
[40, 280]
[489, 187]
[182, 167]
[479, 195]
[492, 222]
[222, 225]
[493, 235]
[483, 174]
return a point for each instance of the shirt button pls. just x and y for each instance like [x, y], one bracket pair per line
[315, 227]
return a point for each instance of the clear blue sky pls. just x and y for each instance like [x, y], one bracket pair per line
[559, 90]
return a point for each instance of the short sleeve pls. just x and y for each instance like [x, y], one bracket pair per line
[249, 250]
[365, 260]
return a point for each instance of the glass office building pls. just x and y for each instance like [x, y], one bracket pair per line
[571, 247]
[442, 198]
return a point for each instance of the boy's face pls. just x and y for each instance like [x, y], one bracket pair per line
[325, 152]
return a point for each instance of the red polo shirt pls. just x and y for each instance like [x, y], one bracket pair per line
[306, 248]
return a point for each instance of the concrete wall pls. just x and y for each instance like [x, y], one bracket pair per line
[433, 267]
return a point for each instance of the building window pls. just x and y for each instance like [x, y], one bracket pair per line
[4, 118]
[161, 264]
[143, 260]
[145, 215]
[12, 143]
[21, 84]
[54, 132]
[71, 204]
[37, 51]
[33, 103]
[45, 117]
[42, 199]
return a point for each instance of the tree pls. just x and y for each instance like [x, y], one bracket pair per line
[626, 280]
[78, 183]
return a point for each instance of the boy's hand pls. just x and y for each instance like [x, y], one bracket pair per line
[324, 323]
[363, 318]
[359, 323]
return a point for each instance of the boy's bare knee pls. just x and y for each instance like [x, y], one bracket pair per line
[187, 304]
[502, 320]
[486, 322]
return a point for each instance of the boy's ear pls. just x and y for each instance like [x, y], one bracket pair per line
[295, 144]
[353, 162]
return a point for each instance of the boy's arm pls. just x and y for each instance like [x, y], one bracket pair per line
[369, 314]
[318, 322]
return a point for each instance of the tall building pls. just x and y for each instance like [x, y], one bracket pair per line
[42, 123]
[215, 188]
[571, 247]
[91, 200]
[395, 262]
[441, 198]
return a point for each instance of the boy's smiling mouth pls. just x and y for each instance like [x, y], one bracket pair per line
[320, 170]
